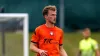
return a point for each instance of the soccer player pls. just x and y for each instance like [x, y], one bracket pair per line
[88, 46]
[48, 39]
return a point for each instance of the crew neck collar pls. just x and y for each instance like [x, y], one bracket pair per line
[88, 38]
[49, 27]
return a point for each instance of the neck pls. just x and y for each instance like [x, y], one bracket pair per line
[87, 38]
[49, 25]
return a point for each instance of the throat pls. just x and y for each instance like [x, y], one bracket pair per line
[49, 25]
[86, 38]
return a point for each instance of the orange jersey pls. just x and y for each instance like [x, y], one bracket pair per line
[48, 39]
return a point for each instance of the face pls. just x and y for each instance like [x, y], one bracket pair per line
[86, 33]
[51, 17]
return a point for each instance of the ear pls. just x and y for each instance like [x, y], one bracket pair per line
[45, 16]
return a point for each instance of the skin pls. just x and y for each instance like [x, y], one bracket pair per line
[87, 33]
[50, 21]
[50, 18]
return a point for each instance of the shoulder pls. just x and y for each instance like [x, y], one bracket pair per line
[93, 41]
[81, 41]
[94, 44]
[59, 29]
[38, 28]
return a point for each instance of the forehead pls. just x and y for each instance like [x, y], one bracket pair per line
[85, 30]
[51, 11]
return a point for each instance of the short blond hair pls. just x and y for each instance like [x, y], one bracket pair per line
[49, 7]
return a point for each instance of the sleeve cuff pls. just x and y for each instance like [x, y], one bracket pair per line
[34, 42]
[60, 44]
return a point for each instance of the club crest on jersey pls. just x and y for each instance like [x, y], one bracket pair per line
[51, 33]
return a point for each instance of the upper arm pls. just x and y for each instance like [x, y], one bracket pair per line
[62, 51]
[95, 45]
[60, 47]
[97, 52]
[96, 48]
[35, 36]
[61, 39]
[33, 44]
[80, 46]
[79, 53]
[33, 47]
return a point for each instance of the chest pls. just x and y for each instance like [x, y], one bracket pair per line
[50, 34]
[87, 45]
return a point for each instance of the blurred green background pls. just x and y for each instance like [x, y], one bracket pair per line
[13, 44]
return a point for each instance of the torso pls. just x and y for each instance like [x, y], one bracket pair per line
[87, 48]
[49, 39]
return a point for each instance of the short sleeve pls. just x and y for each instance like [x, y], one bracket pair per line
[61, 39]
[95, 45]
[35, 36]
[80, 46]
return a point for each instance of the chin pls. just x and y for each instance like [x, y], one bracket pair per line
[53, 22]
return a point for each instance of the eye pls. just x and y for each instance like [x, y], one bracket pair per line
[53, 14]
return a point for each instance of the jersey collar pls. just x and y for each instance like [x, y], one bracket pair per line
[88, 39]
[48, 27]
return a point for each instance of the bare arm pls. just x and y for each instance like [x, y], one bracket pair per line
[34, 48]
[79, 53]
[62, 51]
[97, 52]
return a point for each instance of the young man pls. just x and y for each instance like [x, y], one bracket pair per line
[88, 46]
[47, 40]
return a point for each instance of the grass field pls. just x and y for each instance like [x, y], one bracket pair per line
[71, 41]
[14, 44]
